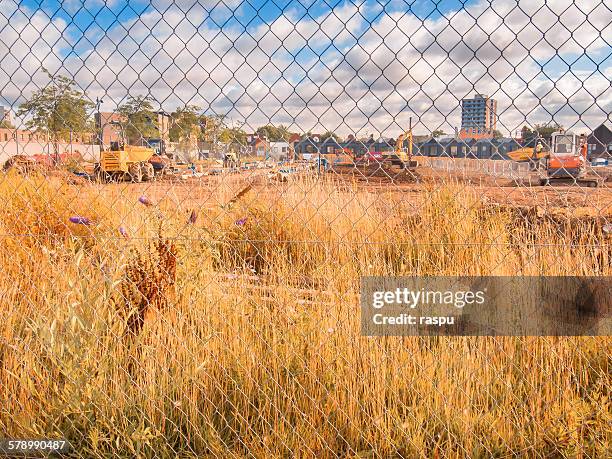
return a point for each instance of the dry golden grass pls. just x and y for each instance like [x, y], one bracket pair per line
[256, 351]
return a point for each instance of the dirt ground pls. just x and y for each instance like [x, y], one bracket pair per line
[413, 189]
[581, 200]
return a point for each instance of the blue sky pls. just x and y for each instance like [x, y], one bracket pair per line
[253, 11]
[406, 54]
[96, 17]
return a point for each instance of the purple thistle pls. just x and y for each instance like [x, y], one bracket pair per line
[193, 217]
[146, 201]
[77, 220]
[241, 221]
[123, 231]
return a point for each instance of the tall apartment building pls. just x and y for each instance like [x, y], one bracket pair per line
[478, 117]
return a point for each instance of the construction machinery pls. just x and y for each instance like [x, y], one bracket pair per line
[525, 154]
[121, 162]
[401, 156]
[567, 161]
[231, 160]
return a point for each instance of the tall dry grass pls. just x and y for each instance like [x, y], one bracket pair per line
[256, 351]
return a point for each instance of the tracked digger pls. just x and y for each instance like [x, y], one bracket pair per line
[402, 157]
[567, 161]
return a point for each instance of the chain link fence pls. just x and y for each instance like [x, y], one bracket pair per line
[193, 189]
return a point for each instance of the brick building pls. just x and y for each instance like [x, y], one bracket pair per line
[24, 136]
[21, 136]
[257, 146]
[106, 131]
[111, 133]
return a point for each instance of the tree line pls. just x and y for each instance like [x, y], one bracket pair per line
[61, 109]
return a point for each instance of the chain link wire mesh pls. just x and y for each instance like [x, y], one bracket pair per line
[192, 190]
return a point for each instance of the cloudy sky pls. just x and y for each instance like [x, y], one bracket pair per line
[359, 66]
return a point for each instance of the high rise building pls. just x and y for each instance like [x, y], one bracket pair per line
[478, 117]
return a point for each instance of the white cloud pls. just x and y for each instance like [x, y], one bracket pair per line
[334, 71]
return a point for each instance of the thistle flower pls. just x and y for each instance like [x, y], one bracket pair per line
[78, 220]
[193, 217]
[123, 231]
[146, 201]
[241, 222]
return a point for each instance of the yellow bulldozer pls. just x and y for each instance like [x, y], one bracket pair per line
[125, 162]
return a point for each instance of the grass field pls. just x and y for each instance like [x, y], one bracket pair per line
[234, 331]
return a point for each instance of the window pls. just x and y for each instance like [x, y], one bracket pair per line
[564, 144]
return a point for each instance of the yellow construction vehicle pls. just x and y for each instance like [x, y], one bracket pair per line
[402, 156]
[525, 154]
[121, 162]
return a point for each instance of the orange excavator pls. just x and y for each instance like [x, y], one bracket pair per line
[567, 161]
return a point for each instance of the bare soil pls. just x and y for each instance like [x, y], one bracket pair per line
[411, 187]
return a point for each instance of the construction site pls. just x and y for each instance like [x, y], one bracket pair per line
[559, 172]
[256, 229]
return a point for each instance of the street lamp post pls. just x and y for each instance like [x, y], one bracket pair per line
[100, 133]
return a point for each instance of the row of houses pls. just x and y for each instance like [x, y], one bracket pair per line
[599, 144]
[448, 146]
[298, 146]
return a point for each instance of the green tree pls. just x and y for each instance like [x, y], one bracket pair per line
[233, 135]
[540, 131]
[185, 123]
[329, 134]
[211, 127]
[497, 134]
[526, 134]
[139, 119]
[274, 133]
[58, 110]
[268, 131]
[5, 124]
[438, 133]
[283, 133]
[215, 130]
[545, 130]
